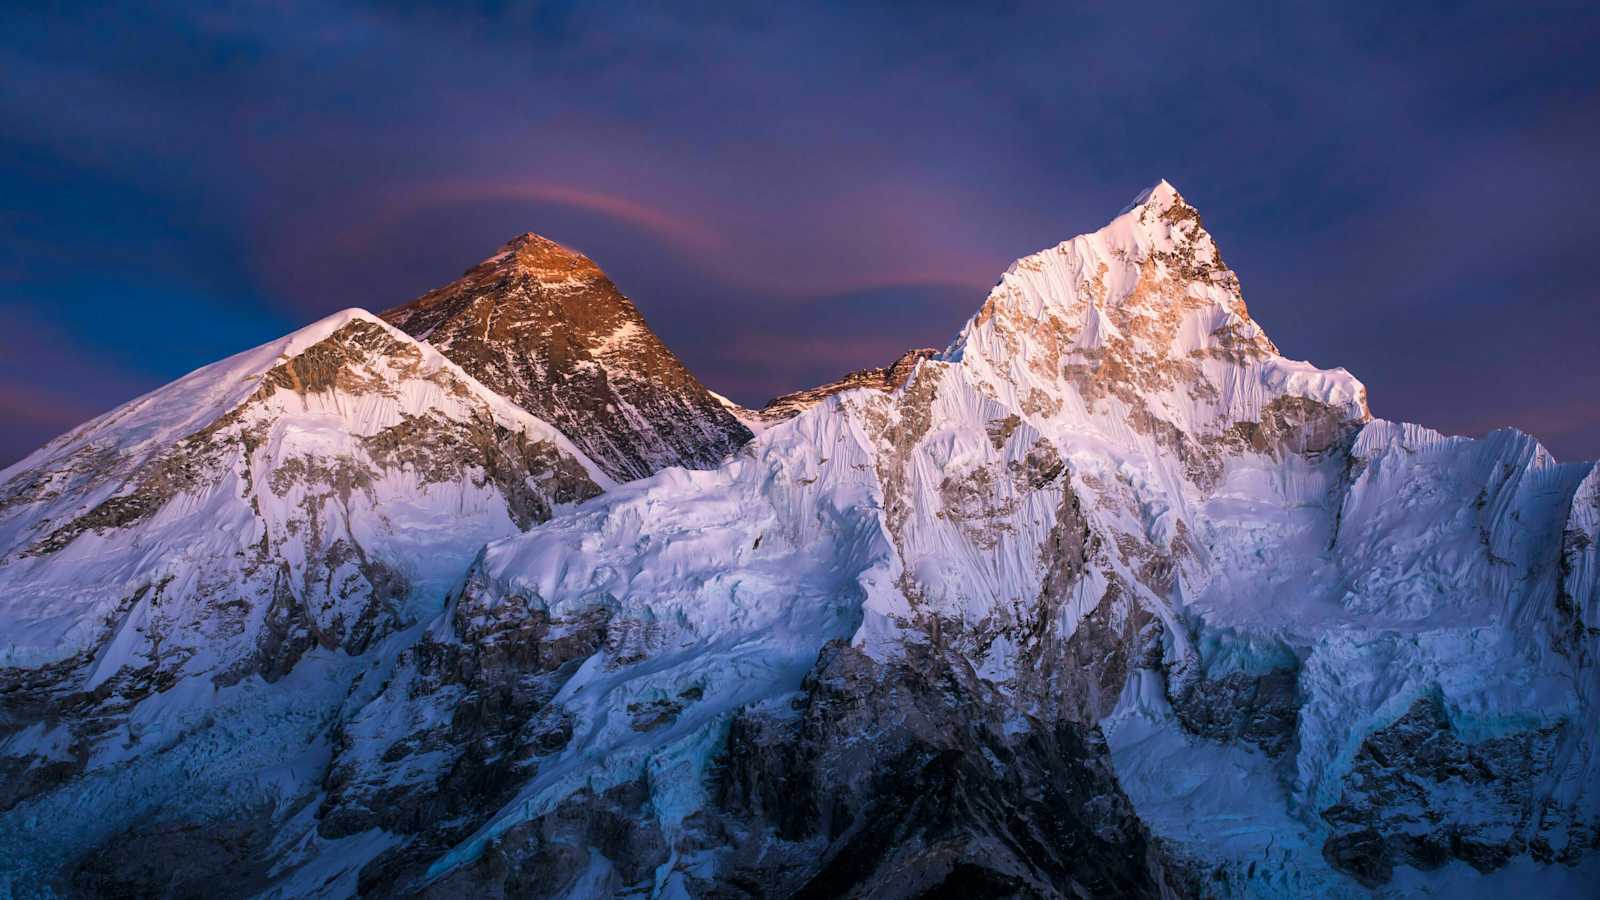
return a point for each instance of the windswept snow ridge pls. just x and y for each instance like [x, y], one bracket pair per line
[884, 378]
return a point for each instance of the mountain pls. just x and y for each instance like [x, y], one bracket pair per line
[1109, 598]
[1106, 598]
[195, 580]
[787, 406]
[541, 325]
[884, 378]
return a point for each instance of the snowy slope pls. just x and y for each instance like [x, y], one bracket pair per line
[749, 418]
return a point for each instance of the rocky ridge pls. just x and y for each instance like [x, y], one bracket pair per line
[883, 378]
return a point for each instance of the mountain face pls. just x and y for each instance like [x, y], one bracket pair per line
[1107, 598]
[542, 325]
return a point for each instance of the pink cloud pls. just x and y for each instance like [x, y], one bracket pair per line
[882, 237]
[29, 404]
[676, 230]
[1546, 422]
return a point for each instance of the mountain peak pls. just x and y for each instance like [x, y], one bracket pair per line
[1144, 316]
[542, 325]
[539, 257]
[1159, 196]
[1109, 546]
[1153, 260]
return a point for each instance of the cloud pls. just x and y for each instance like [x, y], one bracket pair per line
[678, 231]
[49, 383]
[760, 178]
[35, 413]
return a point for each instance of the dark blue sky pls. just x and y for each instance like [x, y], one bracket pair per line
[790, 192]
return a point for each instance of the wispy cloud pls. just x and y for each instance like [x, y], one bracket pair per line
[681, 232]
[758, 175]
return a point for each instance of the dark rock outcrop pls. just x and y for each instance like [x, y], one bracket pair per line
[1418, 794]
[1262, 709]
[906, 779]
[480, 720]
[227, 858]
[899, 779]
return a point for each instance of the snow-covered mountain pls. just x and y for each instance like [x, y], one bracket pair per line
[1107, 598]
[1108, 574]
[543, 326]
[193, 581]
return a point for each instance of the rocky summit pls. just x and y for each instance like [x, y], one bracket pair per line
[541, 325]
[1107, 598]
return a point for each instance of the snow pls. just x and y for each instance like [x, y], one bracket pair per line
[47, 614]
[1226, 798]
[677, 555]
[749, 418]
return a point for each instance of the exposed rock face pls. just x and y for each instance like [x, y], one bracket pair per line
[1261, 709]
[596, 843]
[542, 325]
[179, 859]
[466, 720]
[1231, 688]
[884, 378]
[906, 780]
[885, 780]
[1576, 627]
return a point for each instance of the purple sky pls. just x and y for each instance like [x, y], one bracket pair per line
[793, 192]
